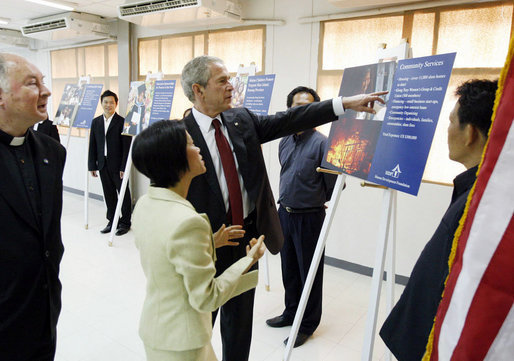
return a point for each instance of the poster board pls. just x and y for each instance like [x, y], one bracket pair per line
[148, 102]
[391, 147]
[78, 105]
[87, 107]
[258, 93]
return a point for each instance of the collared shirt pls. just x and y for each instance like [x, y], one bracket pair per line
[107, 122]
[21, 153]
[300, 185]
[207, 129]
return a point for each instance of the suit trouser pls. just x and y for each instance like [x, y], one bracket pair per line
[111, 185]
[236, 316]
[301, 232]
[40, 348]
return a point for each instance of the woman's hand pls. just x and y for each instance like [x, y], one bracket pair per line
[223, 235]
[256, 248]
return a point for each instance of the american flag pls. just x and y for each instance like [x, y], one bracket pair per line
[475, 319]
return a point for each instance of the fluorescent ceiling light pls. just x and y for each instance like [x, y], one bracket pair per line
[4, 21]
[63, 5]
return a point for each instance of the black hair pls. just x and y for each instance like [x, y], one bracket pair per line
[160, 152]
[109, 93]
[476, 102]
[301, 89]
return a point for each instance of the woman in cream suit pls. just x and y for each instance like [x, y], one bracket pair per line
[177, 250]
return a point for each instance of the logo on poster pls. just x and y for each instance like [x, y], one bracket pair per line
[395, 172]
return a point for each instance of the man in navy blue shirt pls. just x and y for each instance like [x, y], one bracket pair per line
[303, 193]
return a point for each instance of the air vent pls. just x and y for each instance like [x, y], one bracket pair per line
[168, 14]
[155, 6]
[67, 28]
[47, 26]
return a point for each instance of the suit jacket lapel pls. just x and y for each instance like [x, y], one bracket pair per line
[112, 123]
[210, 174]
[12, 189]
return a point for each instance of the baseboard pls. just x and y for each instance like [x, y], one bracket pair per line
[81, 193]
[360, 269]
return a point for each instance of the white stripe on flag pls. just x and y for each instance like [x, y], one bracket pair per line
[491, 219]
[503, 345]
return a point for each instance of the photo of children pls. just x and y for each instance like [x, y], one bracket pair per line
[238, 94]
[70, 101]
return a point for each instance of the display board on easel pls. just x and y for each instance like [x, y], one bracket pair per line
[359, 145]
[391, 147]
[76, 109]
[253, 92]
[149, 102]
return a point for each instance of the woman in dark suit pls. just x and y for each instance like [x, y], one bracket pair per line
[177, 250]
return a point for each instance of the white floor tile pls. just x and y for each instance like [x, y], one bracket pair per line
[104, 289]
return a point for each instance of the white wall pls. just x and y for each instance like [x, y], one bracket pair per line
[292, 54]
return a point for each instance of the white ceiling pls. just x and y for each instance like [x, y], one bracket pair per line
[21, 11]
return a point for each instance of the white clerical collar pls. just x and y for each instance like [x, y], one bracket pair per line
[204, 121]
[17, 141]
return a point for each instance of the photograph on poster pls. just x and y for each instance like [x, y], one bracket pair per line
[368, 79]
[352, 144]
[353, 138]
[238, 94]
[64, 115]
[139, 106]
[68, 105]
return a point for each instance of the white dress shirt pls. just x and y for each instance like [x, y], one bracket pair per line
[207, 129]
[107, 122]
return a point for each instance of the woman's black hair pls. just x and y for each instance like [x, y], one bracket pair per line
[160, 152]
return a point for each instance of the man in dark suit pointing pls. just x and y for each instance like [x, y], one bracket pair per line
[108, 152]
[235, 189]
[30, 216]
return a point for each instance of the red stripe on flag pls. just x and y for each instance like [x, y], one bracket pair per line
[501, 126]
[491, 303]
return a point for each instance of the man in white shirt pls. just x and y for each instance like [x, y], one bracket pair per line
[108, 152]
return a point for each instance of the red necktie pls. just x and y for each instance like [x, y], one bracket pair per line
[229, 168]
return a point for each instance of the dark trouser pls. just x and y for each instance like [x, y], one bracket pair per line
[111, 185]
[301, 232]
[236, 316]
[40, 348]
[45, 352]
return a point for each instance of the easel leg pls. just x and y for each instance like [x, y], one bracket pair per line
[314, 265]
[378, 272]
[391, 264]
[86, 184]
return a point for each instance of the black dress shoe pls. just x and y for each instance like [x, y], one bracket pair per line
[121, 231]
[300, 339]
[279, 321]
[107, 228]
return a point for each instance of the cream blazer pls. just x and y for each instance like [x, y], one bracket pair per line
[177, 255]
